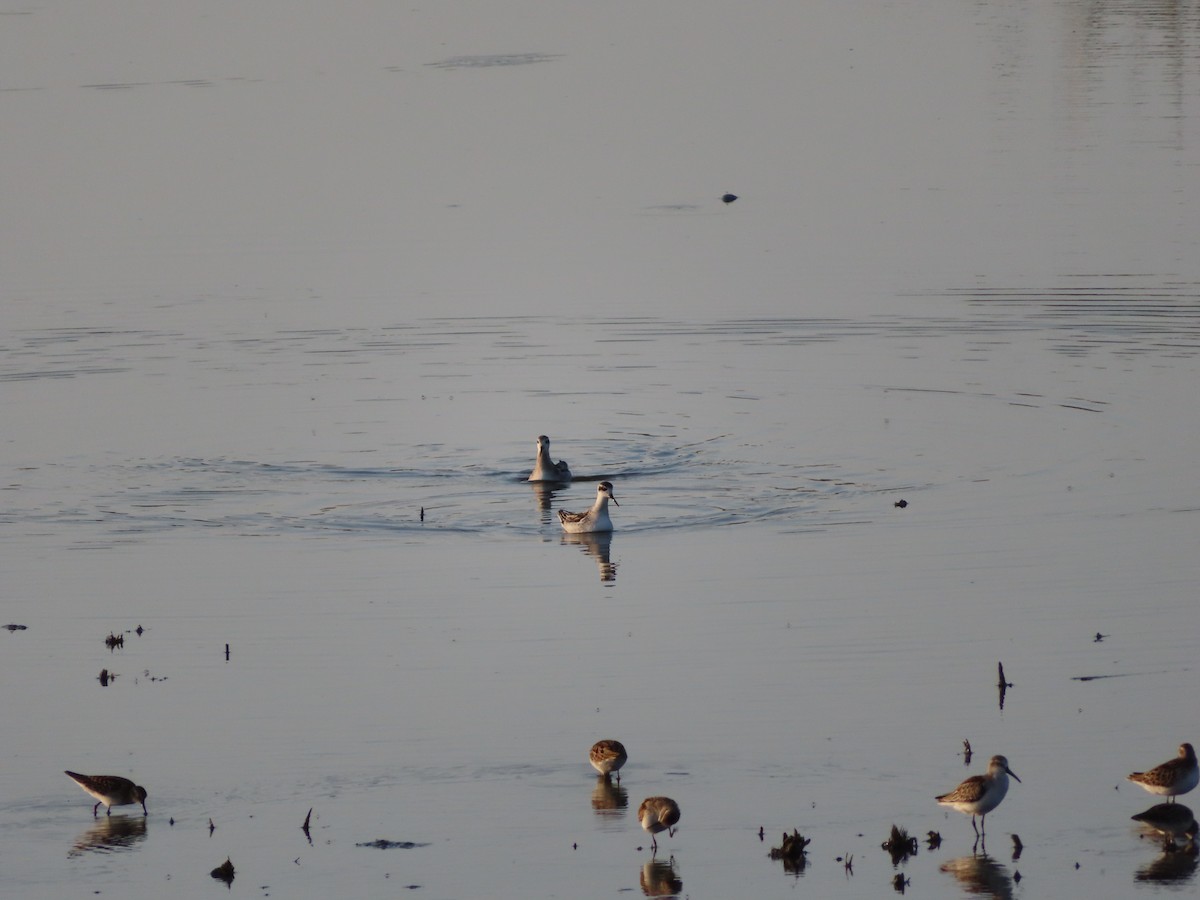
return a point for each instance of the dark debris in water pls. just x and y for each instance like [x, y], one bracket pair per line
[791, 851]
[900, 845]
[384, 844]
[224, 872]
[12, 627]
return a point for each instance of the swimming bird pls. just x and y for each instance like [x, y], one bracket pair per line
[980, 794]
[546, 469]
[596, 518]
[607, 757]
[112, 790]
[1171, 820]
[1174, 777]
[658, 814]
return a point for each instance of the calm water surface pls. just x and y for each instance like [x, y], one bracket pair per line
[282, 328]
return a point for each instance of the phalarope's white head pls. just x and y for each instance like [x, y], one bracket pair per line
[980, 794]
[544, 468]
[596, 518]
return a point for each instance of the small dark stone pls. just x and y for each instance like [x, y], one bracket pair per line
[901, 504]
[728, 198]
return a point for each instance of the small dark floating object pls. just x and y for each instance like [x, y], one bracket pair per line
[761, 833]
[791, 851]
[901, 504]
[422, 514]
[104, 677]
[900, 845]
[1017, 846]
[900, 882]
[307, 821]
[211, 827]
[934, 839]
[224, 872]
[382, 844]
[138, 631]
[728, 198]
[114, 640]
[16, 627]
[1099, 637]
[1017, 876]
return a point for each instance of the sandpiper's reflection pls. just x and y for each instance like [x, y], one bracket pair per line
[609, 798]
[110, 833]
[981, 875]
[599, 545]
[1172, 867]
[543, 494]
[660, 878]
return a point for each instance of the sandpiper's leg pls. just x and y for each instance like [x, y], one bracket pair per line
[94, 808]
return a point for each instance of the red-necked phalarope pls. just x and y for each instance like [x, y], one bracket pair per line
[111, 790]
[596, 518]
[980, 794]
[544, 468]
[658, 814]
[1175, 776]
[607, 757]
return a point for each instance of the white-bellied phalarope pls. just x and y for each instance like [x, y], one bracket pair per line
[546, 469]
[980, 794]
[111, 790]
[1175, 776]
[596, 518]
[658, 814]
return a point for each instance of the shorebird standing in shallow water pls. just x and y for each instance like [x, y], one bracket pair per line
[980, 794]
[596, 518]
[658, 814]
[546, 469]
[1174, 777]
[111, 790]
[607, 757]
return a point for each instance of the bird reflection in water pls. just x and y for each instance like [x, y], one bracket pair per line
[543, 495]
[597, 544]
[660, 878]
[609, 798]
[110, 833]
[1171, 867]
[981, 875]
